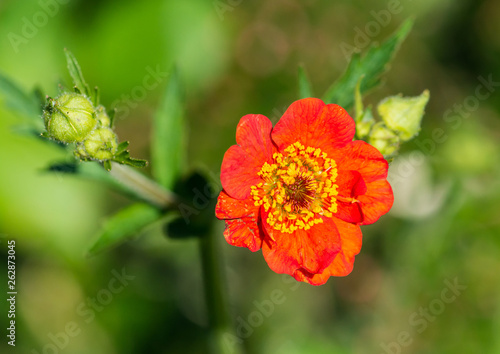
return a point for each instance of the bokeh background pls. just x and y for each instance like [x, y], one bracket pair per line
[239, 57]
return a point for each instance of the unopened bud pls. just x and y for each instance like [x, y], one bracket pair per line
[69, 118]
[384, 139]
[404, 114]
[100, 145]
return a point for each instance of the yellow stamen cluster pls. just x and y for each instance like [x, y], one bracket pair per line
[298, 189]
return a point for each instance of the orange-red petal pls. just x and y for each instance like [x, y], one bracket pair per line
[369, 162]
[242, 162]
[242, 221]
[349, 212]
[312, 123]
[350, 186]
[312, 250]
[376, 201]
[342, 265]
[362, 157]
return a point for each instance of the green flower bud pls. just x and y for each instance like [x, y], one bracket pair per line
[404, 114]
[100, 145]
[69, 118]
[384, 139]
[102, 117]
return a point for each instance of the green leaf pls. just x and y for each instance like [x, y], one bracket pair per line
[122, 147]
[373, 64]
[138, 163]
[122, 156]
[167, 146]
[17, 100]
[76, 74]
[123, 225]
[305, 89]
[404, 114]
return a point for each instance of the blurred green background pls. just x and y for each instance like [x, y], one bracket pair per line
[239, 57]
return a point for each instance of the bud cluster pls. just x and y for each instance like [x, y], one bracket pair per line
[72, 118]
[401, 120]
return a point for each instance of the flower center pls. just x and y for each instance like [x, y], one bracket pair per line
[298, 189]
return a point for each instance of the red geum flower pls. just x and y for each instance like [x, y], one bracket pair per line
[300, 190]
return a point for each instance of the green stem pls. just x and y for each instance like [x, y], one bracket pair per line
[144, 187]
[222, 337]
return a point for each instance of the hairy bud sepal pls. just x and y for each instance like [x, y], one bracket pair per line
[102, 117]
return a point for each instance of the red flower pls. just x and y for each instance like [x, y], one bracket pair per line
[300, 190]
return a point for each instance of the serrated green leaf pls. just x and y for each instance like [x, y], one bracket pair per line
[135, 162]
[167, 145]
[122, 156]
[17, 100]
[305, 89]
[403, 114]
[76, 74]
[123, 225]
[373, 64]
[122, 147]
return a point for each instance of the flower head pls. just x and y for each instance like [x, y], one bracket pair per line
[300, 191]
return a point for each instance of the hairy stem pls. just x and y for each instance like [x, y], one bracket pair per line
[145, 188]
